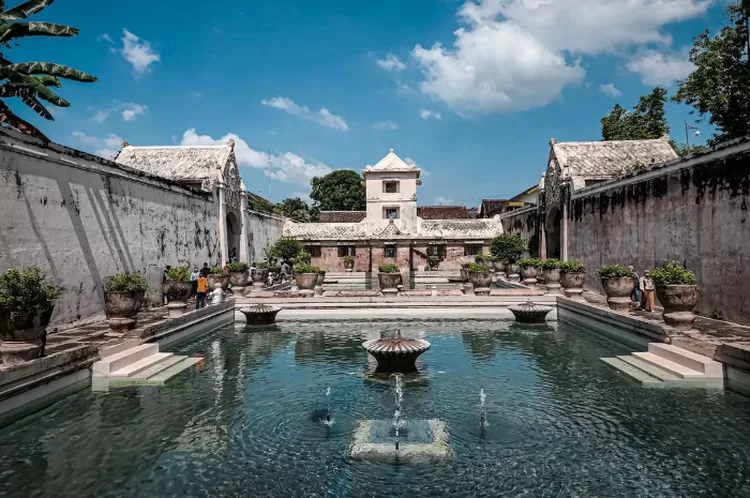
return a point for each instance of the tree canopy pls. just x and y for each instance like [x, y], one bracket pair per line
[645, 121]
[296, 209]
[719, 87]
[340, 190]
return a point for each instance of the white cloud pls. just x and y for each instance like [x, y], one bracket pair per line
[138, 52]
[323, 117]
[443, 201]
[384, 126]
[409, 160]
[429, 114]
[391, 63]
[105, 37]
[100, 116]
[107, 147]
[512, 55]
[287, 167]
[132, 111]
[660, 69]
[196, 94]
[610, 89]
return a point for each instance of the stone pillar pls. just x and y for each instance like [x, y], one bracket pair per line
[564, 235]
[244, 257]
[543, 239]
[224, 251]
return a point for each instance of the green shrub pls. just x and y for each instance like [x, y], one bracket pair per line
[672, 273]
[613, 271]
[466, 265]
[285, 248]
[529, 262]
[303, 258]
[434, 258]
[179, 274]
[261, 265]
[348, 259]
[388, 268]
[484, 258]
[572, 266]
[217, 270]
[238, 267]
[551, 264]
[23, 289]
[126, 282]
[477, 268]
[508, 248]
[307, 269]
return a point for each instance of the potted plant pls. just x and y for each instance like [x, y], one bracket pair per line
[572, 276]
[551, 275]
[218, 275]
[259, 273]
[677, 292]
[238, 275]
[389, 276]
[465, 271]
[348, 263]
[178, 290]
[479, 275]
[26, 304]
[123, 297]
[618, 283]
[529, 270]
[509, 248]
[434, 262]
[306, 276]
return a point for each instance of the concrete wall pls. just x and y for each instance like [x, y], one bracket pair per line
[263, 230]
[694, 212]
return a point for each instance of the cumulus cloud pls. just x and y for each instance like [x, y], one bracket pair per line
[287, 167]
[443, 201]
[105, 37]
[429, 114]
[132, 111]
[385, 126]
[323, 117]
[610, 89]
[106, 147]
[512, 55]
[391, 63]
[100, 116]
[660, 69]
[138, 53]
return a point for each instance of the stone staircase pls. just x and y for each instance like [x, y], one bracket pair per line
[130, 363]
[665, 365]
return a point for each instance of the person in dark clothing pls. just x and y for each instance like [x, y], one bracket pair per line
[205, 270]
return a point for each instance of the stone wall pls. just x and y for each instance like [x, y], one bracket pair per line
[525, 223]
[694, 212]
[263, 230]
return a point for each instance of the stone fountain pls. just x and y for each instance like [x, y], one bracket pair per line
[396, 353]
[260, 314]
[530, 312]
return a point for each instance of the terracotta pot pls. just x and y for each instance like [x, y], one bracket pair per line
[480, 279]
[123, 304]
[306, 281]
[619, 291]
[499, 266]
[259, 275]
[321, 277]
[529, 274]
[239, 279]
[678, 302]
[389, 280]
[179, 291]
[572, 283]
[218, 278]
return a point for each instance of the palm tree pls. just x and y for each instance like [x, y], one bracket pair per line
[31, 81]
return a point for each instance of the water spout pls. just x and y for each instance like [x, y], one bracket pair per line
[329, 420]
[398, 392]
[482, 410]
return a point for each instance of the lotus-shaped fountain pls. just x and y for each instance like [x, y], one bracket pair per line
[396, 353]
[260, 314]
[530, 312]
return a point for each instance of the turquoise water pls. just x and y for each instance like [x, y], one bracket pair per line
[247, 423]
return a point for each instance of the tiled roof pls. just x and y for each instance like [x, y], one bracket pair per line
[325, 231]
[341, 216]
[605, 159]
[442, 212]
[178, 163]
[491, 207]
[391, 162]
[481, 228]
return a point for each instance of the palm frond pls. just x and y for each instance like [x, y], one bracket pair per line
[10, 32]
[49, 81]
[7, 117]
[47, 68]
[41, 90]
[24, 10]
[37, 107]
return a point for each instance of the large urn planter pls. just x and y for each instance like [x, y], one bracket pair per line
[552, 280]
[348, 264]
[480, 279]
[122, 308]
[239, 280]
[434, 263]
[22, 335]
[389, 282]
[572, 284]
[678, 302]
[512, 270]
[306, 281]
[619, 291]
[321, 278]
[178, 293]
[464, 275]
[218, 278]
[259, 277]
[529, 272]
[498, 266]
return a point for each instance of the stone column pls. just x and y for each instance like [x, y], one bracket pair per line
[543, 237]
[244, 257]
[224, 251]
[564, 235]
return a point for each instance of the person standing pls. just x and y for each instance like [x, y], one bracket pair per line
[205, 270]
[647, 292]
[202, 291]
[636, 296]
[194, 279]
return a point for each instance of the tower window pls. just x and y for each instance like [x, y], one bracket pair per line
[391, 187]
[390, 213]
[390, 252]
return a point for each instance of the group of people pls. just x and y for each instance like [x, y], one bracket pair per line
[203, 293]
[643, 293]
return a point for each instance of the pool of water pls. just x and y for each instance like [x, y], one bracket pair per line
[248, 422]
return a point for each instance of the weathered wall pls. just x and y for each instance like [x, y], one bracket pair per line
[694, 212]
[263, 231]
[81, 219]
[524, 223]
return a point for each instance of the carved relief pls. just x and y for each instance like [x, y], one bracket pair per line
[390, 231]
[234, 186]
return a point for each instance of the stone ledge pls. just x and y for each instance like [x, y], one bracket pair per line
[170, 326]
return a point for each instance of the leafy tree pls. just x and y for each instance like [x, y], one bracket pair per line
[260, 205]
[285, 248]
[31, 81]
[341, 190]
[684, 150]
[645, 121]
[296, 209]
[720, 84]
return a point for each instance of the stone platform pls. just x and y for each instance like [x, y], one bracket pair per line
[418, 440]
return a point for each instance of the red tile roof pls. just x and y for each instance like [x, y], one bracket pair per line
[443, 212]
[341, 216]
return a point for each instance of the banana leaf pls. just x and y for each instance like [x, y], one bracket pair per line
[47, 68]
[10, 32]
[24, 10]
[38, 107]
[7, 117]
[41, 90]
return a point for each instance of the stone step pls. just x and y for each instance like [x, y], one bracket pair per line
[653, 371]
[680, 371]
[175, 369]
[134, 369]
[122, 359]
[633, 372]
[694, 361]
[106, 352]
[160, 366]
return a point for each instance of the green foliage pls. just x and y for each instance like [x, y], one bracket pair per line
[296, 209]
[217, 270]
[572, 266]
[551, 264]
[287, 248]
[261, 265]
[645, 121]
[684, 150]
[508, 248]
[303, 258]
[434, 258]
[307, 269]
[613, 271]
[671, 273]
[340, 190]
[477, 268]
[527, 262]
[260, 205]
[238, 267]
[388, 268]
[349, 259]
[718, 87]
[179, 274]
[23, 289]
[126, 282]
[30, 81]
[484, 258]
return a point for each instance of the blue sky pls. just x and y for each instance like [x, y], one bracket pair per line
[308, 87]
